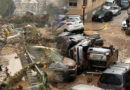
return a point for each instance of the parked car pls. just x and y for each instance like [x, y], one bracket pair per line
[102, 15]
[123, 25]
[84, 87]
[64, 68]
[116, 77]
[72, 23]
[125, 28]
[108, 4]
[102, 57]
[124, 4]
[116, 10]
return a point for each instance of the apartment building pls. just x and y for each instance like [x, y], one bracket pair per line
[75, 7]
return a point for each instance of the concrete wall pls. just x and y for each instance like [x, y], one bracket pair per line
[36, 6]
[7, 7]
[90, 8]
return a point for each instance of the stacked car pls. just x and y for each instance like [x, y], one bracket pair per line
[86, 50]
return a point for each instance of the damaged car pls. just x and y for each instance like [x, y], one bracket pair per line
[102, 57]
[60, 67]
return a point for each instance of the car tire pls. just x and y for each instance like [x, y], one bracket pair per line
[102, 20]
[127, 32]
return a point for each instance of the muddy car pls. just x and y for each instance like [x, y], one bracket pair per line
[60, 67]
[102, 57]
[67, 40]
[78, 53]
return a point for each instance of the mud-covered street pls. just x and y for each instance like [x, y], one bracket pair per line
[112, 35]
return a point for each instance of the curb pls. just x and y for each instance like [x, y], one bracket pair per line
[102, 28]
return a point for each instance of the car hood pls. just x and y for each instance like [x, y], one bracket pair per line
[125, 4]
[68, 62]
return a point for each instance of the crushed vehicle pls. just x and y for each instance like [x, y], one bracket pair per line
[102, 57]
[66, 40]
[60, 67]
[116, 77]
[78, 53]
[72, 23]
[102, 16]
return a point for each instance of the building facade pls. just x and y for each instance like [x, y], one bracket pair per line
[75, 7]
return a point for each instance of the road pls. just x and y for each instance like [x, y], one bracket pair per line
[112, 35]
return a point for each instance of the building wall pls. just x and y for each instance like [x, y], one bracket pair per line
[92, 5]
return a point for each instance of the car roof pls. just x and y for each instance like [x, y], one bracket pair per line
[85, 87]
[103, 50]
[84, 42]
[119, 68]
[110, 1]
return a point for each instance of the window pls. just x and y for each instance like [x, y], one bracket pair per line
[73, 3]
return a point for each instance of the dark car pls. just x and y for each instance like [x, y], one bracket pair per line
[102, 15]
[116, 77]
[124, 4]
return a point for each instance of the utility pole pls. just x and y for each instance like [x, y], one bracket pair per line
[84, 7]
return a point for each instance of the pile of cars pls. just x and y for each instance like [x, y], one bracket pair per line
[109, 9]
[86, 50]
[89, 54]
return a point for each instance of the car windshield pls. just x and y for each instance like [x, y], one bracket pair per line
[108, 3]
[124, 1]
[114, 8]
[72, 19]
[101, 12]
[111, 79]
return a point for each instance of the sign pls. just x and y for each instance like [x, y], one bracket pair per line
[83, 6]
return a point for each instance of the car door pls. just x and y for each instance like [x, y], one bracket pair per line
[127, 80]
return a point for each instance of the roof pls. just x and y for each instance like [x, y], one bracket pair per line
[103, 50]
[76, 37]
[84, 42]
[110, 1]
[119, 68]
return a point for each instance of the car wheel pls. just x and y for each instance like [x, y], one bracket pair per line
[93, 19]
[102, 20]
[127, 32]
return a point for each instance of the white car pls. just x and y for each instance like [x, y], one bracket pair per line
[107, 5]
[116, 10]
[85, 87]
[72, 23]
[123, 25]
